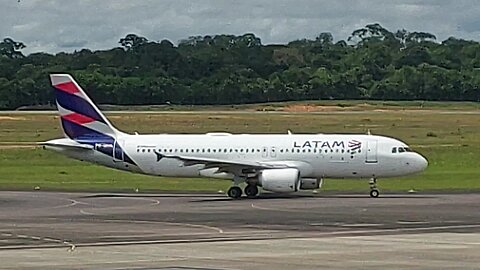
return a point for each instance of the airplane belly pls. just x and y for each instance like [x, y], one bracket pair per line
[174, 168]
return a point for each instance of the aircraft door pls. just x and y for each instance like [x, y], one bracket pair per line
[117, 151]
[273, 152]
[264, 152]
[371, 156]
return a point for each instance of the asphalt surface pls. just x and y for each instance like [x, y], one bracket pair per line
[49, 230]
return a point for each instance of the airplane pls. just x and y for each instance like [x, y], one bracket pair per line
[279, 163]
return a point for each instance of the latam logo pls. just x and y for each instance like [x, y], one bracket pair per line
[354, 145]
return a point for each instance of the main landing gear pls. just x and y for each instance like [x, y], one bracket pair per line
[373, 188]
[251, 191]
[235, 192]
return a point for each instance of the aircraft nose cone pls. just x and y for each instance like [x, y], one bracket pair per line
[421, 162]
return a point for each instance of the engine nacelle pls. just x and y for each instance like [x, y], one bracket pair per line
[279, 180]
[310, 183]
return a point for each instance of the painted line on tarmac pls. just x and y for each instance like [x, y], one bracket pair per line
[153, 202]
[254, 206]
[72, 203]
[362, 225]
[167, 223]
[69, 244]
[353, 233]
[411, 222]
[86, 213]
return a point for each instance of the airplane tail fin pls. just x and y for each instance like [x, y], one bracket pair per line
[81, 119]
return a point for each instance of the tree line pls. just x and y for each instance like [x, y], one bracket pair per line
[373, 63]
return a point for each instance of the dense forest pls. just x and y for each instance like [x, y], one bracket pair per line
[373, 63]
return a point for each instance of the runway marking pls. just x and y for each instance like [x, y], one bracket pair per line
[86, 213]
[411, 222]
[362, 225]
[327, 224]
[38, 238]
[72, 203]
[276, 209]
[154, 202]
[315, 237]
[434, 228]
[168, 223]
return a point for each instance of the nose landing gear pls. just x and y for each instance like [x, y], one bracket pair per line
[373, 188]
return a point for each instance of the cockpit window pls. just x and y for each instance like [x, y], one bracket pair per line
[401, 149]
[408, 149]
[394, 150]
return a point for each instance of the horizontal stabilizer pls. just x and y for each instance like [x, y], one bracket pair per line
[67, 143]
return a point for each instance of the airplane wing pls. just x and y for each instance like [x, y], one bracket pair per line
[227, 166]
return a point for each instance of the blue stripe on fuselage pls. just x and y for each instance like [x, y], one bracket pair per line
[77, 104]
[102, 142]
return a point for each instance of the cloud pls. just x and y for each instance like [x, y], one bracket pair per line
[55, 25]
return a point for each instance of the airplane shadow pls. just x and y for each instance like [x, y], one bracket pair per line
[314, 197]
[173, 195]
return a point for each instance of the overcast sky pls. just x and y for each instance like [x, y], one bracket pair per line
[61, 25]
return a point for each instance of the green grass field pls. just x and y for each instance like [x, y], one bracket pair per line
[449, 136]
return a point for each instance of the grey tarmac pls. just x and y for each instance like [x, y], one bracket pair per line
[52, 230]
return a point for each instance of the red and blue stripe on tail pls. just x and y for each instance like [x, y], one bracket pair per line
[81, 120]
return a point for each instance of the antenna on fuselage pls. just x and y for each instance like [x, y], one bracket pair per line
[368, 132]
[289, 132]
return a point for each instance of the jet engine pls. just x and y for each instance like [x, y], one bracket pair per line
[310, 183]
[280, 180]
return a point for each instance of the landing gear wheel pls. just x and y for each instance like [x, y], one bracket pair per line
[251, 191]
[234, 192]
[374, 193]
[373, 188]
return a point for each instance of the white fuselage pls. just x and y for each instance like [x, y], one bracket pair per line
[314, 155]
